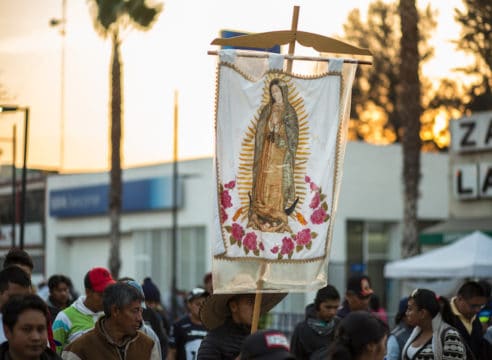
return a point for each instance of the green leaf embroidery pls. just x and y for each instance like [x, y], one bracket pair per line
[314, 235]
[232, 240]
[298, 248]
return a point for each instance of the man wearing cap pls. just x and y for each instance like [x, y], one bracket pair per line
[228, 318]
[188, 332]
[357, 295]
[266, 345]
[81, 316]
[116, 335]
[318, 329]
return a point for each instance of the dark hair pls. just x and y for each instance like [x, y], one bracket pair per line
[487, 288]
[17, 256]
[329, 292]
[13, 275]
[446, 312]
[207, 277]
[119, 294]
[354, 333]
[374, 303]
[471, 289]
[17, 304]
[402, 309]
[426, 299]
[56, 280]
[87, 281]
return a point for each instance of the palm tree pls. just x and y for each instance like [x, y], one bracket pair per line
[111, 19]
[410, 111]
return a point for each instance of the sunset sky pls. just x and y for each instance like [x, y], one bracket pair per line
[171, 56]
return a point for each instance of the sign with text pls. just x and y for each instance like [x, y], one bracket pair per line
[472, 181]
[472, 133]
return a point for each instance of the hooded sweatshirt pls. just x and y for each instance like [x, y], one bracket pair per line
[72, 322]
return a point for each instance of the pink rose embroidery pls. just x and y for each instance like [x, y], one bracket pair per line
[274, 249]
[307, 179]
[303, 237]
[249, 241]
[314, 187]
[230, 185]
[237, 232]
[318, 216]
[315, 201]
[261, 246]
[223, 215]
[287, 246]
[225, 199]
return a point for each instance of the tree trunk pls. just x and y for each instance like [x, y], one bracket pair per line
[410, 111]
[115, 191]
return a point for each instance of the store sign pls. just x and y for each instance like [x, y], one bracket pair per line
[473, 133]
[138, 195]
[472, 181]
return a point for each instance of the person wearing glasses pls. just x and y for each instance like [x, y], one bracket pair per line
[357, 295]
[469, 300]
[432, 337]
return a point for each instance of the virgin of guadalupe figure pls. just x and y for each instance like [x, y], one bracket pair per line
[273, 195]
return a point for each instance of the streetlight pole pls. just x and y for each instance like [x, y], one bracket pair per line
[14, 187]
[10, 108]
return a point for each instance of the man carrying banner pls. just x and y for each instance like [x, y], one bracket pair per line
[228, 318]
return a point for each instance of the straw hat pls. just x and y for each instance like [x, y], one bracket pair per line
[215, 309]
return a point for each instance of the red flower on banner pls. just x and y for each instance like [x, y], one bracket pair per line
[225, 199]
[287, 246]
[230, 185]
[319, 215]
[274, 249]
[249, 242]
[315, 200]
[237, 232]
[307, 179]
[303, 237]
[223, 215]
[261, 246]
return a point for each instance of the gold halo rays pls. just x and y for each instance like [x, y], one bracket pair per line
[246, 156]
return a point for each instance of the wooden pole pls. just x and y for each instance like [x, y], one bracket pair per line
[263, 266]
[292, 44]
[258, 299]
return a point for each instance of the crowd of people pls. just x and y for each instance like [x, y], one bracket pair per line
[126, 319]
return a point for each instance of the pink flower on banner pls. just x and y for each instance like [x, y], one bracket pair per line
[225, 199]
[223, 215]
[318, 216]
[261, 246]
[315, 200]
[230, 185]
[249, 241]
[314, 187]
[307, 179]
[303, 237]
[237, 232]
[274, 249]
[287, 246]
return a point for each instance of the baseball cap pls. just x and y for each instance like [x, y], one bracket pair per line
[359, 285]
[266, 344]
[99, 278]
[195, 293]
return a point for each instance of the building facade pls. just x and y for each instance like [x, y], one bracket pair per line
[367, 230]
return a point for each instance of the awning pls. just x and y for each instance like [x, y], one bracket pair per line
[454, 228]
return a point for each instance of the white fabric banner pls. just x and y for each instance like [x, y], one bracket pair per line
[280, 140]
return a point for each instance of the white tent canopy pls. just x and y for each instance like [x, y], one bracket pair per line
[470, 256]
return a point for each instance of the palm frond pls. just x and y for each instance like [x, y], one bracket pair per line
[141, 14]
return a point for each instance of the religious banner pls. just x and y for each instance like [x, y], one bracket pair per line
[280, 140]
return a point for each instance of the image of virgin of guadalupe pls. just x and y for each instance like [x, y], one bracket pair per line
[273, 196]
